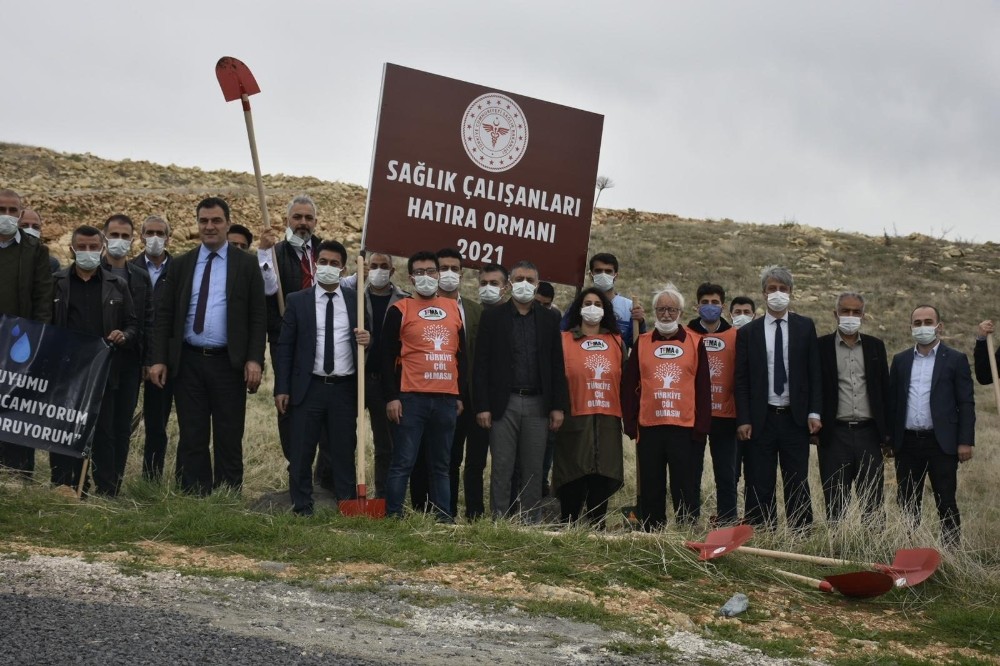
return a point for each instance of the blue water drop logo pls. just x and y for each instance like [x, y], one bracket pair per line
[20, 351]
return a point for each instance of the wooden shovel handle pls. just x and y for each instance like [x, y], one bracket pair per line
[993, 369]
[821, 585]
[794, 557]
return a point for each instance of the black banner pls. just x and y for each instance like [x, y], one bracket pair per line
[51, 384]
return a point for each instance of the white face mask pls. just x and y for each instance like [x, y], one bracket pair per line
[523, 291]
[294, 240]
[8, 225]
[119, 247]
[592, 314]
[88, 261]
[489, 294]
[742, 320]
[849, 325]
[155, 245]
[426, 285]
[34, 233]
[666, 327]
[449, 281]
[328, 274]
[778, 301]
[378, 277]
[924, 335]
[603, 281]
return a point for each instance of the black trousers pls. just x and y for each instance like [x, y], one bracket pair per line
[381, 436]
[725, 469]
[156, 406]
[16, 458]
[921, 457]
[658, 449]
[126, 397]
[587, 498]
[331, 404]
[784, 443]
[211, 401]
[851, 457]
[66, 470]
[477, 448]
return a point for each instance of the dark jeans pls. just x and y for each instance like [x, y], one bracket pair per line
[126, 397]
[16, 458]
[587, 498]
[851, 456]
[419, 479]
[658, 449]
[431, 418]
[211, 400]
[725, 467]
[477, 447]
[66, 470]
[381, 437]
[156, 406]
[921, 456]
[786, 443]
[333, 405]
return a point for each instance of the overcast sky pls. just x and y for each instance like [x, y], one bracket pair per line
[845, 115]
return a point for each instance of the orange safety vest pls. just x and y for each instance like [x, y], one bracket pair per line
[667, 370]
[594, 373]
[429, 334]
[721, 348]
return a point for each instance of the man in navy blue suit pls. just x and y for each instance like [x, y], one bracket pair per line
[316, 377]
[779, 398]
[932, 410]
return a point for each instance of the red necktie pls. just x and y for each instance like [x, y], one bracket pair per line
[307, 276]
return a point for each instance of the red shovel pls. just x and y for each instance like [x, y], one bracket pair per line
[719, 542]
[237, 82]
[857, 584]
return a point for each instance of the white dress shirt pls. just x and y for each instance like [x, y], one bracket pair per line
[265, 259]
[918, 399]
[343, 336]
[770, 328]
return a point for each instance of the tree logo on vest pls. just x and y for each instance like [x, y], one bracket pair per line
[715, 366]
[599, 364]
[494, 132]
[594, 344]
[432, 314]
[668, 351]
[436, 335]
[668, 373]
[714, 344]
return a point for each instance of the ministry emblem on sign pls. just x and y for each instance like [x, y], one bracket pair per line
[494, 132]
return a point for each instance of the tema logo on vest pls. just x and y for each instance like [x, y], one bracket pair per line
[714, 344]
[668, 351]
[594, 345]
[432, 314]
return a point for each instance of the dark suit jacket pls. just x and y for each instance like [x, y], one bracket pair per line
[290, 273]
[246, 313]
[297, 343]
[981, 359]
[493, 378]
[804, 387]
[953, 403]
[473, 314]
[876, 379]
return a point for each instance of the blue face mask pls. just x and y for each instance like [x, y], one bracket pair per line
[710, 313]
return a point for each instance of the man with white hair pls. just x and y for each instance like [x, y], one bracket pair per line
[779, 399]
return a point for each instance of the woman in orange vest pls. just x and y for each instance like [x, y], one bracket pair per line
[667, 409]
[587, 468]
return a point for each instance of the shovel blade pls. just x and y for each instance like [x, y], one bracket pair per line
[912, 566]
[719, 542]
[861, 584]
[235, 79]
[371, 508]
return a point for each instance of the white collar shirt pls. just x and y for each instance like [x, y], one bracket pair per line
[343, 336]
[918, 399]
[770, 328]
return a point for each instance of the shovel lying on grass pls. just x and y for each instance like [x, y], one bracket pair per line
[910, 567]
[374, 508]
[856, 585]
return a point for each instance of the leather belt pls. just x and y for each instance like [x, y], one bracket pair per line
[521, 391]
[919, 434]
[206, 351]
[779, 410]
[335, 379]
[856, 425]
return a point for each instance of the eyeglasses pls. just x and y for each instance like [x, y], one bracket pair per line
[673, 311]
[424, 271]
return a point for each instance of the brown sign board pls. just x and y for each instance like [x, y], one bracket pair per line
[499, 176]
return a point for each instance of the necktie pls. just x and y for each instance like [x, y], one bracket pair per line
[780, 376]
[307, 277]
[200, 307]
[328, 336]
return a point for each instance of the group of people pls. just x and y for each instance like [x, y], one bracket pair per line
[451, 380]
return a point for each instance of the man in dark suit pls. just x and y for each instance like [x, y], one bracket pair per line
[981, 353]
[778, 403]
[932, 412]
[316, 377]
[156, 402]
[26, 292]
[519, 389]
[855, 399]
[210, 331]
[31, 224]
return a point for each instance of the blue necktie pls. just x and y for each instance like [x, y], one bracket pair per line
[780, 376]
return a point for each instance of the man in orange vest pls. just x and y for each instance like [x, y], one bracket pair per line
[423, 379]
[719, 337]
